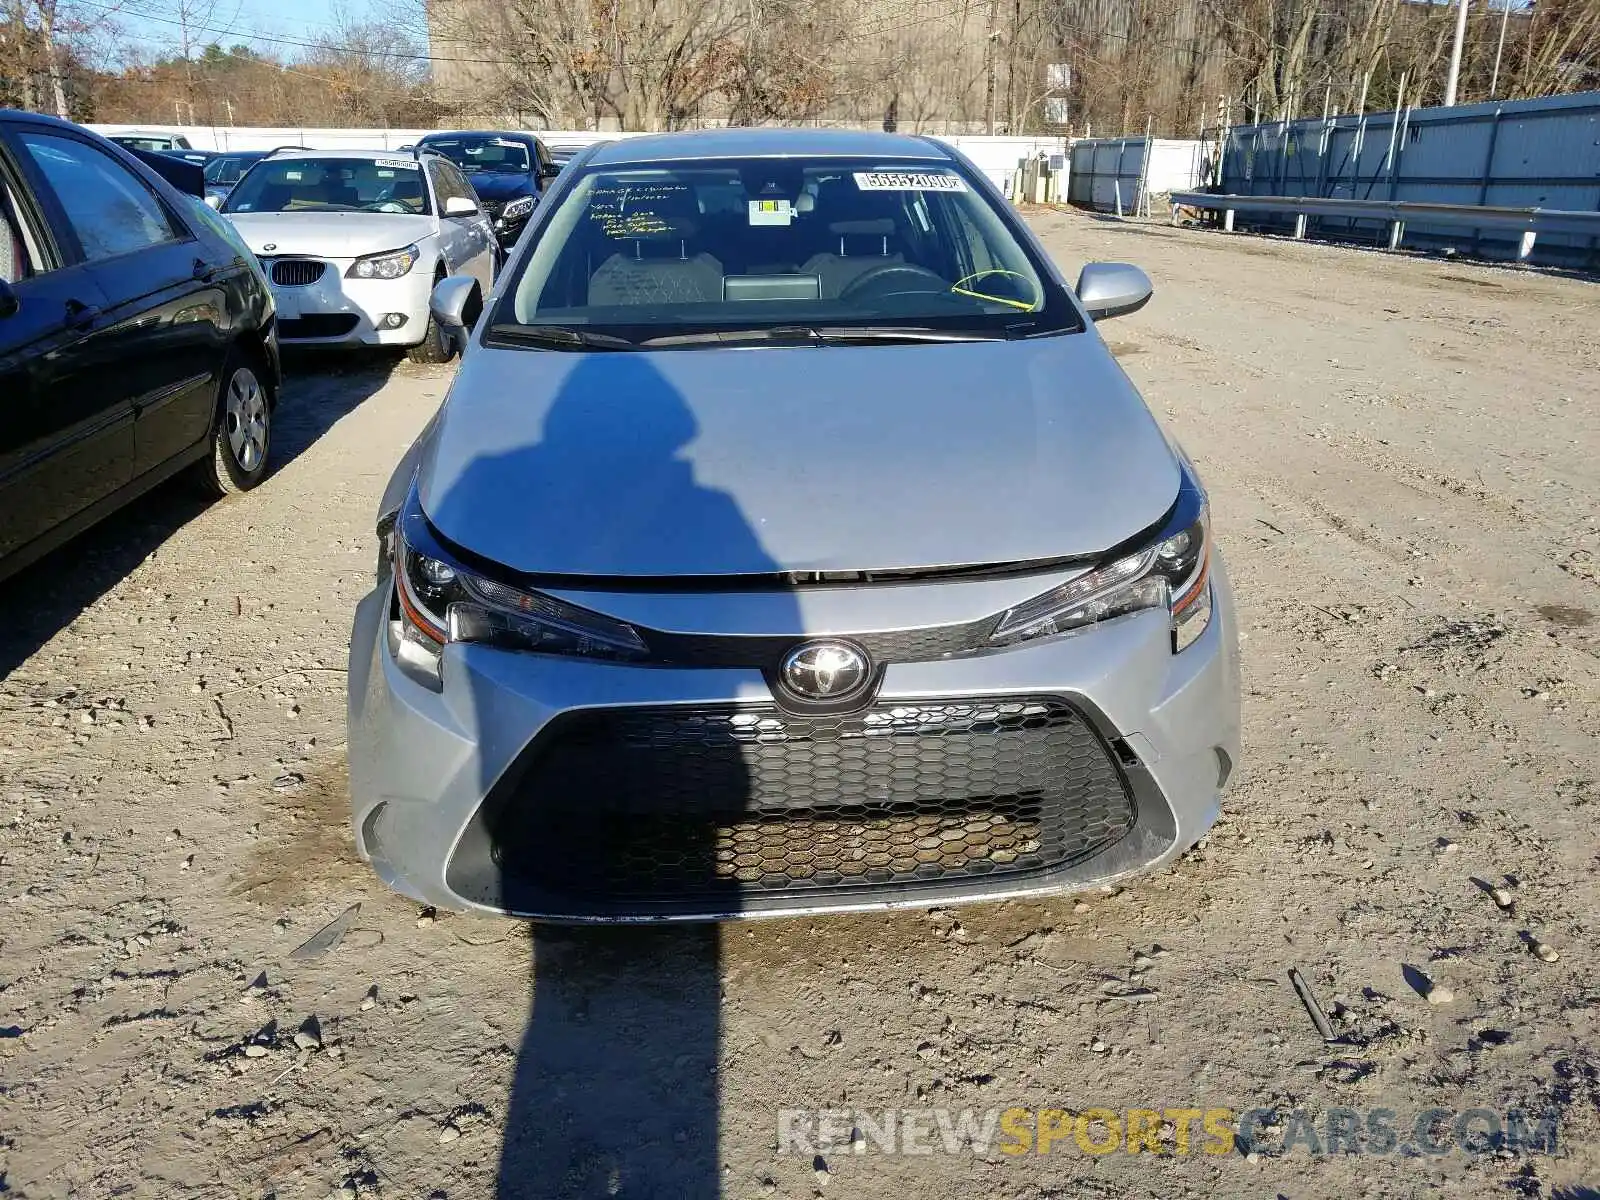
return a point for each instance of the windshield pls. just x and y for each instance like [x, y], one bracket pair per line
[644, 253]
[227, 168]
[390, 185]
[495, 155]
[133, 142]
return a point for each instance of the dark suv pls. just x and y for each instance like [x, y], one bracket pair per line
[137, 337]
[509, 171]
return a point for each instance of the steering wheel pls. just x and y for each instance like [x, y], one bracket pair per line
[902, 278]
[997, 275]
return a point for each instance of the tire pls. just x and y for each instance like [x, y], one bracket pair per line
[241, 435]
[435, 346]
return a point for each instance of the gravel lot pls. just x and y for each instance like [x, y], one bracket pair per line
[1402, 460]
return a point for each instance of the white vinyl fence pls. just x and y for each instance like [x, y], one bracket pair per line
[1117, 174]
[1000, 158]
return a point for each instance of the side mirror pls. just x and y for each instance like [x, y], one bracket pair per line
[9, 301]
[1109, 289]
[457, 303]
[213, 200]
[549, 171]
[460, 206]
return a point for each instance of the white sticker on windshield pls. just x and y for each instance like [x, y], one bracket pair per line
[771, 212]
[295, 176]
[404, 164]
[908, 181]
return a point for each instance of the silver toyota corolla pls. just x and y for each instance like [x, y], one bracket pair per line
[789, 541]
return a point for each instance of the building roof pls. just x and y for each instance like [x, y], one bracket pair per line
[764, 143]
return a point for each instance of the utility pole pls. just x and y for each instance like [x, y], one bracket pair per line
[1500, 47]
[1455, 55]
[988, 66]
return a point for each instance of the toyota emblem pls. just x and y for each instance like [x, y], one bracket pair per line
[825, 671]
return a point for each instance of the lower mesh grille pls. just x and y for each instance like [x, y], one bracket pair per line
[671, 804]
[317, 325]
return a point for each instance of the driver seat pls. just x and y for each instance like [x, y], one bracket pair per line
[861, 246]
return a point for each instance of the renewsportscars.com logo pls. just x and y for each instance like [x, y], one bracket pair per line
[1013, 1132]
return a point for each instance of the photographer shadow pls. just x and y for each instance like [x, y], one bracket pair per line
[616, 1089]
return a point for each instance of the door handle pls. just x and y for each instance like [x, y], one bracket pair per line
[81, 315]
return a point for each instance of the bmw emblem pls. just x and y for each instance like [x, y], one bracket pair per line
[826, 671]
[269, 247]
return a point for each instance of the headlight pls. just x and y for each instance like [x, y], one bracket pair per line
[518, 208]
[391, 264]
[1172, 572]
[439, 600]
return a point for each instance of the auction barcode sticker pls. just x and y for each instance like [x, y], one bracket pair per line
[906, 181]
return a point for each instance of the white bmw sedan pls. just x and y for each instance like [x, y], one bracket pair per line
[354, 240]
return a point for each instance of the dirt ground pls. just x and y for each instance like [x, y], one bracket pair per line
[1402, 458]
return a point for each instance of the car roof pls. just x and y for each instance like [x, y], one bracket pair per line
[515, 135]
[764, 143]
[17, 114]
[354, 155]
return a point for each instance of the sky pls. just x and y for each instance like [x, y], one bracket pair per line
[155, 26]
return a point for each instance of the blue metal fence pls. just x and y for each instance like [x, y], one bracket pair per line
[1513, 154]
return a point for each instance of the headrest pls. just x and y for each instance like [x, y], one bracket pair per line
[875, 227]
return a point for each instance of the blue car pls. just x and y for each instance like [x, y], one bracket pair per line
[789, 542]
[509, 172]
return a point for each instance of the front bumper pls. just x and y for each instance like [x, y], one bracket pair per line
[340, 311]
[507, 232]
[423, 762]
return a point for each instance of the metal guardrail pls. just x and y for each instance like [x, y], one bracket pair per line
[1529, 222]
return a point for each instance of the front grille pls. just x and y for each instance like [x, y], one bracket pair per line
[297, 272]
[318, 325]
[766, 652]
[491, 208]
[664, 805]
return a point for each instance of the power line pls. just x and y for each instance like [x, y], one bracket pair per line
[960, 7]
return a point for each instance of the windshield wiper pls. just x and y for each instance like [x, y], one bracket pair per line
[831, 335]
[776, 333]
[841, 334]
[559, 337]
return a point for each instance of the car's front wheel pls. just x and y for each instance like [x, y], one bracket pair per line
[242, 433]
[436, 345]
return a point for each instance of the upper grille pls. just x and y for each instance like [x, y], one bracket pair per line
[684, 804]
[766, 652]
[297, 272]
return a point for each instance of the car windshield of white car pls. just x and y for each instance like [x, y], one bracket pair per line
[387, 185]
[487, 155]
[731, 246]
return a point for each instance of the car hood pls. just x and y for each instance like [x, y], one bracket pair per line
[330, 235]
[500, 187]
[835, 458]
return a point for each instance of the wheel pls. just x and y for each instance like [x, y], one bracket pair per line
[893, 279]
[435, 346]
[242, 434]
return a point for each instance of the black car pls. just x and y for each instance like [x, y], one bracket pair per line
[226, 169]
[198, 157]
[509, 171]
[137, 336]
